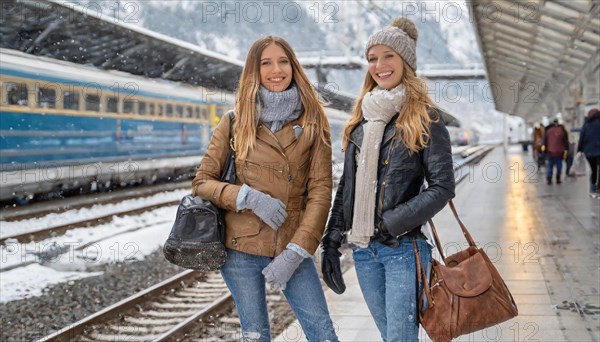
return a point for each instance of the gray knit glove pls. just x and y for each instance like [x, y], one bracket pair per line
[270, 210]
[281, 269]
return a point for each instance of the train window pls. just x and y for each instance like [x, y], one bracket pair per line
[169, 110]
[205, 113]
[71, 100]
[112, 105]
[16, 94]
[151, 108]
[92, 103]
[128, 106]
[46, 98]
[189, 112]
[161, 110]
[197, 112]
[179, 110]
[142, 108]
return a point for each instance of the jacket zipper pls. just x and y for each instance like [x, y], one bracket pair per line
[287, 167]
[382, 187]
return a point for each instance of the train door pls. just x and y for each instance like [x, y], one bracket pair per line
[205, 127]
[216, 112]
[184, 134]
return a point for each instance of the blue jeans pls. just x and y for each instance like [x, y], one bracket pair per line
[242, 274]
[388, 280]
[551, 162]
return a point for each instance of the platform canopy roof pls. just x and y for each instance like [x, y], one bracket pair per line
[83, 35]
[535, 49]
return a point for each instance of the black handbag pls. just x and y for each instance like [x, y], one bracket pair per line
[197, 238]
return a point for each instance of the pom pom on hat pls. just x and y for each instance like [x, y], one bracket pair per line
[407, 26]
[401, 35]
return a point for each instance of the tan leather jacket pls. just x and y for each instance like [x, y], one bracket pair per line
[296, 171]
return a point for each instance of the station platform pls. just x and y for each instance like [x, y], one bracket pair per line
[543, 239]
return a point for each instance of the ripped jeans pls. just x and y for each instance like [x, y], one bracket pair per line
[242, 274]
[388, 280]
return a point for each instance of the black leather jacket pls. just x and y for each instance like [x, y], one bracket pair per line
[403, 204]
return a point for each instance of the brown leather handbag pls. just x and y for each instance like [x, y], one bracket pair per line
[463, 295]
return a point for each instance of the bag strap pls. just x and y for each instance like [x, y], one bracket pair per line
[466, 233]
[437, 239]
[228, 174]
[422, 280]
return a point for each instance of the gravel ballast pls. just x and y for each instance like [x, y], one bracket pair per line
[63, 304]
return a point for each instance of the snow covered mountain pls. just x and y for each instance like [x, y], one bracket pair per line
[332, 28]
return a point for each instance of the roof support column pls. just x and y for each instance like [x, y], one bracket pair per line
[591, 88]
[505, 131]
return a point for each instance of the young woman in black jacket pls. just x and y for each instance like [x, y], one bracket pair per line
[394, 141]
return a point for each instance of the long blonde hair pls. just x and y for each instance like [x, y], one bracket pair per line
[314, 120]
[413, 122]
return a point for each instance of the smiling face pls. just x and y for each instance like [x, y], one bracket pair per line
[275, 68]
[385, 66]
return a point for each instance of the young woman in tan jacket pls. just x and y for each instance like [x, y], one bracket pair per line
[277, 210]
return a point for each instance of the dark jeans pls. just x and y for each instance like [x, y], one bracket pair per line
[595, 177]
[551, 162]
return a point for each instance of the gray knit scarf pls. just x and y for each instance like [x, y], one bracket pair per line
[378, 107]
[276, 109]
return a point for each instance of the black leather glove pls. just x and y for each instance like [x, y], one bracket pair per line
[332, 269]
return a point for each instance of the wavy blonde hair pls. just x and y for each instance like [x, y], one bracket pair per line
[413, 122]
[313, 120]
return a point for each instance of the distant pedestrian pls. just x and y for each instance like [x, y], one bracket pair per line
[556, 145]
[589, 144]
[394, 141]
[538, 140]
[276, 213]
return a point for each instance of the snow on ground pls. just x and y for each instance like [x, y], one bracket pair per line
[32, 280]
[68, 256]
[75, 215]
[85, 243]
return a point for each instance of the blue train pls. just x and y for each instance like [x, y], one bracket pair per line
[69, 127]
[65, 126]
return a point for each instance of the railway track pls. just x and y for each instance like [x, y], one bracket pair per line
[155, 314]
[90, 221]
[54, 231]
[58, 206]
[53, 251]
[190, 305]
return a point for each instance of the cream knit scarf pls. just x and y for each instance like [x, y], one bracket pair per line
[378, 107]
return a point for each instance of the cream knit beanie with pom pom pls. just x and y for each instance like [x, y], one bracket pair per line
[401, 35]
